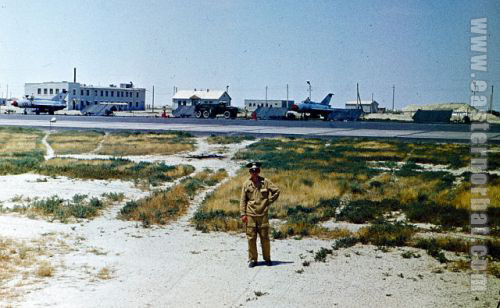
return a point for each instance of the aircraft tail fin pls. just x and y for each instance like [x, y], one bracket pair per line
[326, 100]
[61, 96]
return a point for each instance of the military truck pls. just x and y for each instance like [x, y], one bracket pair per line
[212, 110]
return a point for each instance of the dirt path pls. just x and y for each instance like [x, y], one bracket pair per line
[178, 266]
[99, 145]
[49, 151]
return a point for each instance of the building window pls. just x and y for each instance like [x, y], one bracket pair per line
[44, 91]
[102, 93]
[39, 91]
[106, 93]
[51, 91]
[81, 92]
[95, 92]
[88, 92]
[57, 91]
[112, 93]
[74, 92]
[137, 94]
[137, 104]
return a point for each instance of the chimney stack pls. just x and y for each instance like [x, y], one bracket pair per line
[74, 74]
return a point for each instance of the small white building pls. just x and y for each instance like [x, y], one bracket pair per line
[80, 96]
[195, 97]
[252, 104]
[367, 106]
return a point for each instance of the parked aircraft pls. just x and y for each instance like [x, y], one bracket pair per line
[314, 109]
[58, 102]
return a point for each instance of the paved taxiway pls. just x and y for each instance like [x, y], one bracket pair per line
[413, 131]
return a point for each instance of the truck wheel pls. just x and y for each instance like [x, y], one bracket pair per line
[227, 114]
[197, 114]
[206, 114]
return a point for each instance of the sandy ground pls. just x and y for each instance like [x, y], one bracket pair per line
[178, 266]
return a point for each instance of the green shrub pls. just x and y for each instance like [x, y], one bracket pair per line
[345, 242]
[114, 196]
[360, 211]
[384, 233]
[129, 207]
[277, 234]
[429, 212]
[321, 254]
[95, 203]
[432, 248]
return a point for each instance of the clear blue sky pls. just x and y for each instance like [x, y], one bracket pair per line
[423, 47]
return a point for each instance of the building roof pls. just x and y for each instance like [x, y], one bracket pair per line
[201, 94]
[366, 103]
[456, 107]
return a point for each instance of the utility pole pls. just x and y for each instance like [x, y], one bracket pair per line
[266, 95]
[287, 95]
[358, 99]
[7, 92]
[153, 100]
[393, 88]
[310, 88]
[491, 100]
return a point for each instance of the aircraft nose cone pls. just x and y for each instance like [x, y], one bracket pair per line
[14, 103]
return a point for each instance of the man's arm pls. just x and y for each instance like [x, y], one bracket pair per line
[275, 191]
[243, 202]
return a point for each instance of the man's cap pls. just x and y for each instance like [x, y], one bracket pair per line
[254, 165]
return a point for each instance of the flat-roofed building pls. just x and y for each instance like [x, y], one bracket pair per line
[195, 97]
[82, 96]
[252, 104]
[367, 106]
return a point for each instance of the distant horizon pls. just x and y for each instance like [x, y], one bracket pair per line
[423, 48]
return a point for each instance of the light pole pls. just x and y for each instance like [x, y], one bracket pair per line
[309, 83]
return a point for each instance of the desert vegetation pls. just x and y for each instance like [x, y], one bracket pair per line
[75, 141]
[166, 205]
[142, 173]
[224, 139]
[388, 185]
[21, 149]
[140, 143]
[23, 262]
[56, 208]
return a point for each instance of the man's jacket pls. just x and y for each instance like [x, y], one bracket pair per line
[255, 199]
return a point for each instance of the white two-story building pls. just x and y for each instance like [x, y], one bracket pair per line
[82, 96]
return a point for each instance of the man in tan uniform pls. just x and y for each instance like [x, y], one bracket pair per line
[256, 196]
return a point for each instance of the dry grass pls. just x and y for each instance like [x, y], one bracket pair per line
[44, 269]
[105, 273]
[21, 262]
[302, 187]
[14, 140]
[213, 139]
[165, 206]
[463, 196]
[21, 150]
[310, 171]
[146, 144]
[160, 208]
[143, 173]
[75, 142]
